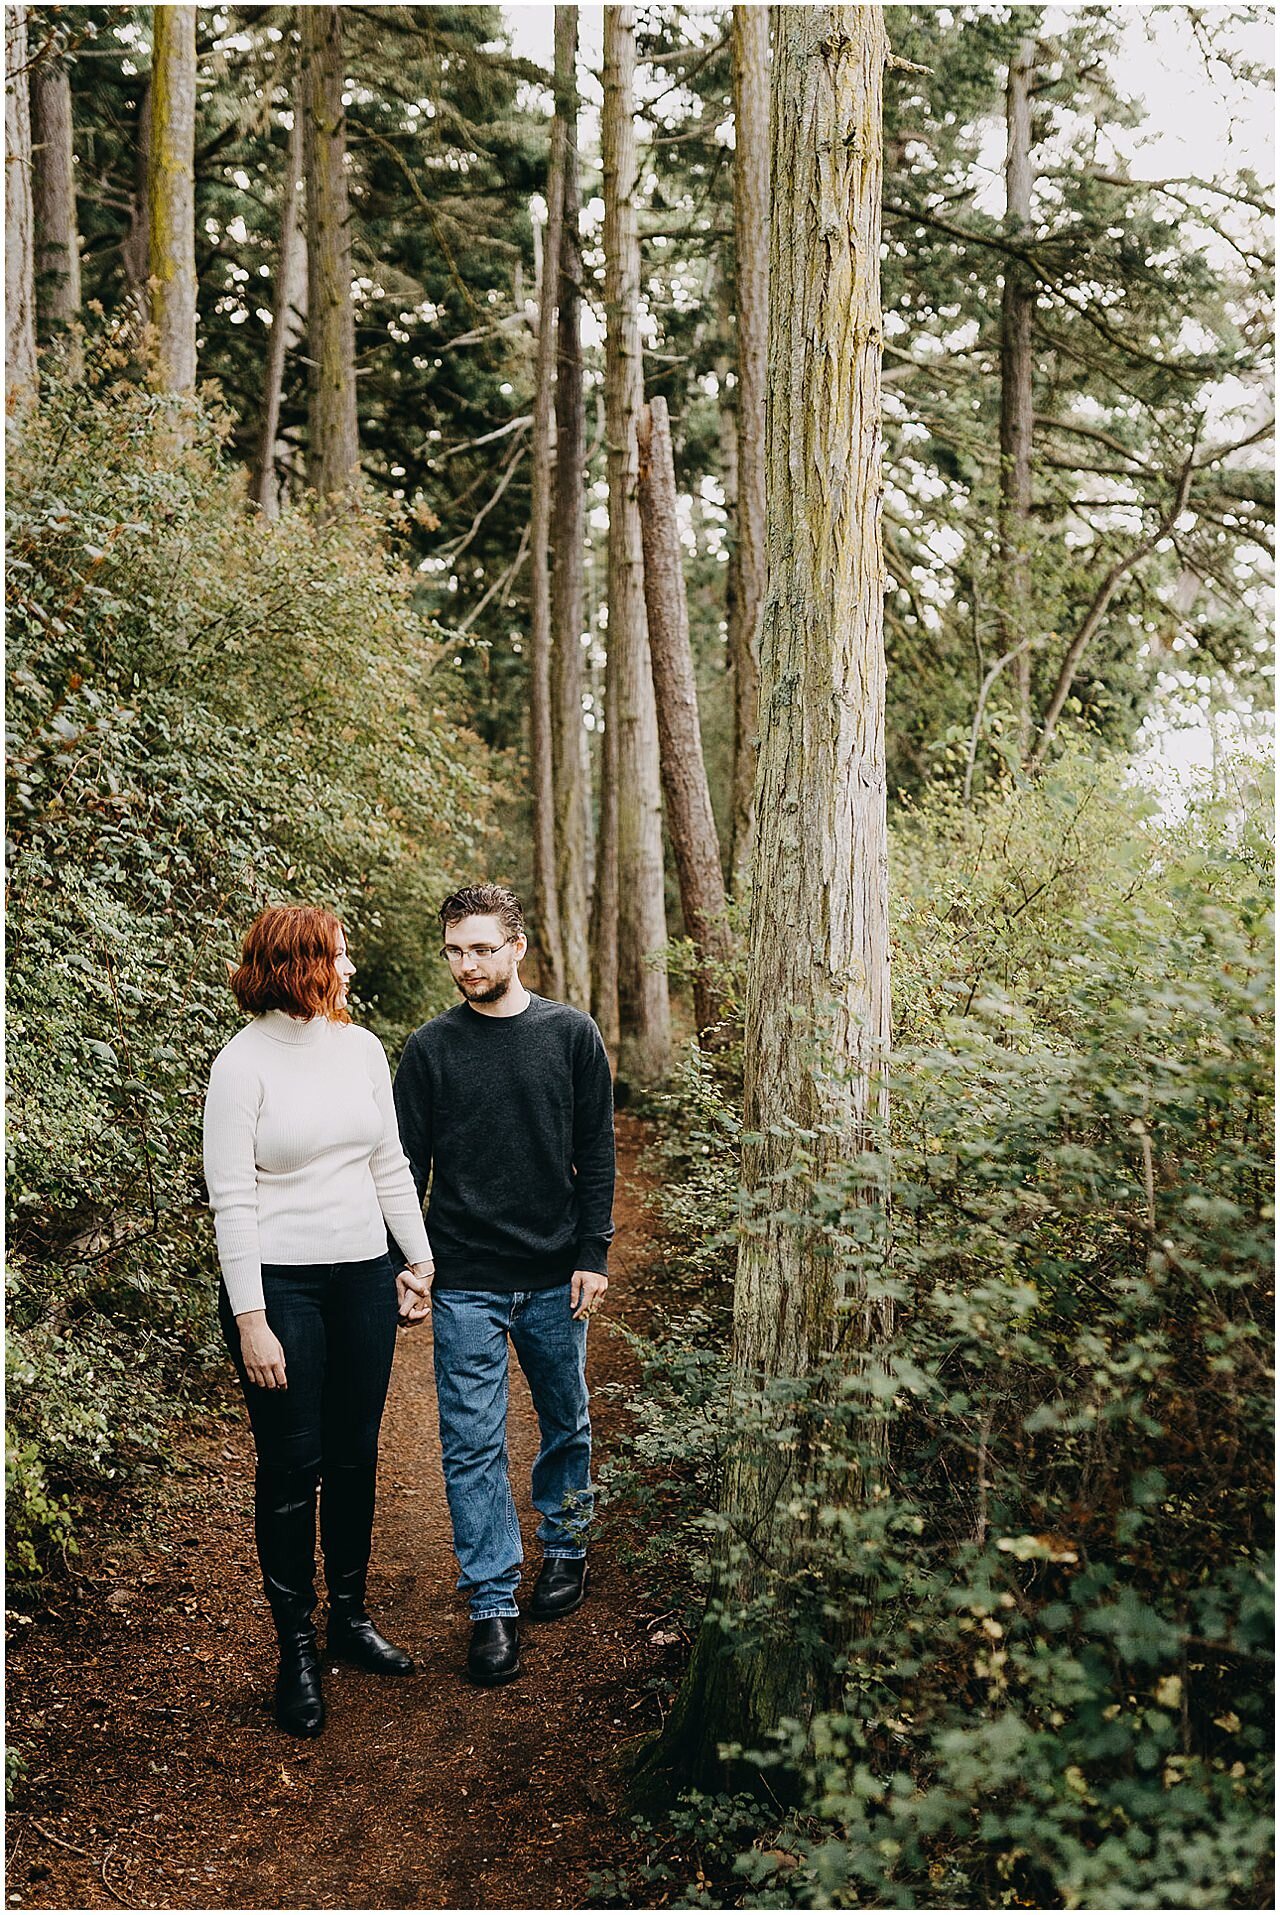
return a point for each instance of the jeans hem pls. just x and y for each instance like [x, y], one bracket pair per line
[552, 1554]
[491, 1615]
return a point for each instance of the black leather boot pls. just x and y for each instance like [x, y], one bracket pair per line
[347, 1496]
[560, 1589]
[285, 1523]
[494, 1655]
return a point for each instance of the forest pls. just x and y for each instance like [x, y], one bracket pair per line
[789, 490]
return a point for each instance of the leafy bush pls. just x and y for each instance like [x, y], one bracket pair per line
[1037, 1526]
[205, 711]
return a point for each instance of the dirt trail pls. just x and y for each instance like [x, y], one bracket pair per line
[156, 1779]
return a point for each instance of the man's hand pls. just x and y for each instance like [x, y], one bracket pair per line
[413, 1288]
[262, 1352]
[586, 1289]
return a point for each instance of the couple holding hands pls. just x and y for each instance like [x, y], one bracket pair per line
[313, 1161]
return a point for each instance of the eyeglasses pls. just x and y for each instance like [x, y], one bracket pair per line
[454, 953]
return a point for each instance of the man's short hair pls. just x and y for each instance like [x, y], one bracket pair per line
[484, 901]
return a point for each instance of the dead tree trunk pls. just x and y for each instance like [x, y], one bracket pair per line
[569, 738]
[749, 33]
[644, 1011]
[690, 818]
[333, 461]
[19, 239]
[172, 182]
[1017, 308]
[54, 188]
[263, 486]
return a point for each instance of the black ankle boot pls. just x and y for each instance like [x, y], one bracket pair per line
[347, 1496]
[299, 1703]
[353, 1638]
[285, 1524]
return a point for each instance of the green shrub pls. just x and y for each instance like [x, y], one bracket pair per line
[205, 711]
[1048, 1595]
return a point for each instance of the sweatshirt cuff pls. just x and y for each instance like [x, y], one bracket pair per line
[244, 1291]
[592, 1254]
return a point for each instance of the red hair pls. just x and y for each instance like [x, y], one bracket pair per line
[287, 963]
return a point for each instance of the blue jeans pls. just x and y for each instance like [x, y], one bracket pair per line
[471, 1328]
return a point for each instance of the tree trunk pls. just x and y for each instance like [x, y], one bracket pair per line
[263, 486]
[135, 249]
[173, 197]
[750, 43]
[54, 189]
[1017, 307]
[604, 897]
[546, 905]
[569, 738]
[817, 1012]
[690, 818]
[644, 1012]
[333, 461]
[19, 256]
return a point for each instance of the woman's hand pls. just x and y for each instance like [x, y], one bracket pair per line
[262, 1351]
[413, 1288]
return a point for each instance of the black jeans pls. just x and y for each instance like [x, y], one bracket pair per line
[337, 1325]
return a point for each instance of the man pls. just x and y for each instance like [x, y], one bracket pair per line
[505, 1102]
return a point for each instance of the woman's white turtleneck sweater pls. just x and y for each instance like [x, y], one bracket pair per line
[302, 1153]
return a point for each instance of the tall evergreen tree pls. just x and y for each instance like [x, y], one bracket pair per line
[819, 959]
[751, 258]
[572, 769]
[642, 990]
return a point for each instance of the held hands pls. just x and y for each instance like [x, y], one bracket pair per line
[262, 1351]
[586, 1292]
[413, 1288]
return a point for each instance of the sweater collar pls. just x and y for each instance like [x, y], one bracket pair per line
[291, 1030]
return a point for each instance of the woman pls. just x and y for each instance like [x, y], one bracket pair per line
[305, 1173]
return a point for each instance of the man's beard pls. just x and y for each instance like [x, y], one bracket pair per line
[487, 994]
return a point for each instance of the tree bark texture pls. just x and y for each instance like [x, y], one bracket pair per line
[334, 446]
[19, 255]
[546, 905]
[749, 37]
[569, 737]
[1017, 308]
[263, 486]
[817, 1011]
[54, 190]
[644, 1011]
[172, 196]
[690, 819]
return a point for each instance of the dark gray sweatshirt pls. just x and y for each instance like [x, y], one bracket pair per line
[510, 1119]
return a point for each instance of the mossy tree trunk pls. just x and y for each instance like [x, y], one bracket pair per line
[690, 818]
[19, 256]
[569, 738]
[172, 197]
[333, 459]
[644, 1011]
[749, 39]
[819, 955]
